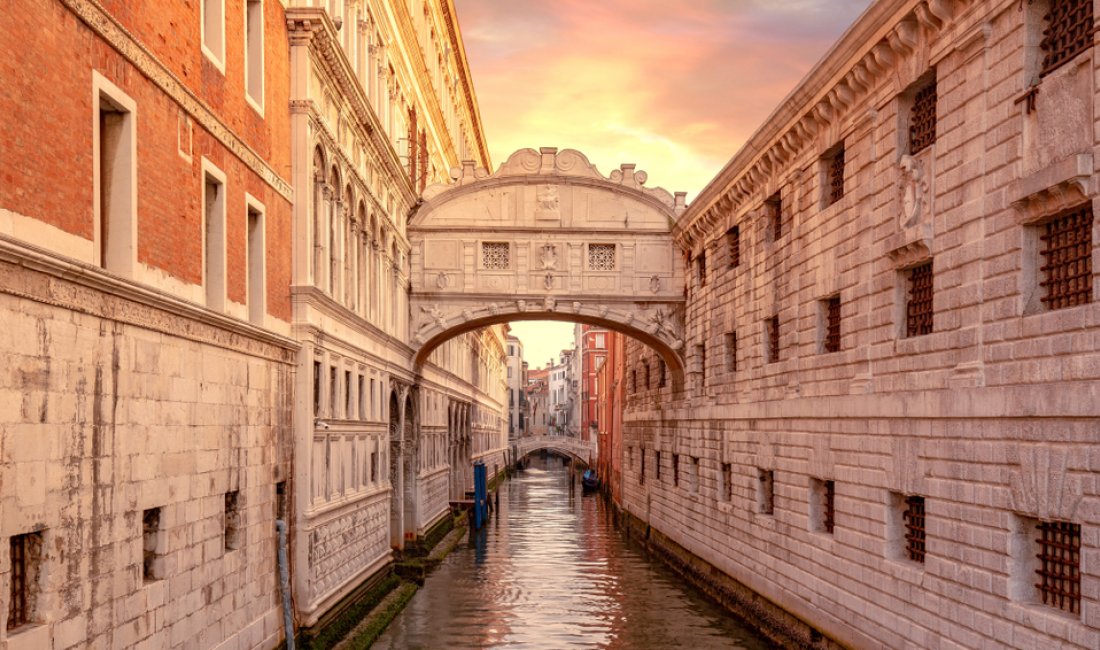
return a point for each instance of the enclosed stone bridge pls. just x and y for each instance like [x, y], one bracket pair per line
[580, 450]
[548, 237]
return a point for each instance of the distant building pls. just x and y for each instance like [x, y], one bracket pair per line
[609, 390]
[517, 388]
[563, 395]
[591, 345]
[538, 401]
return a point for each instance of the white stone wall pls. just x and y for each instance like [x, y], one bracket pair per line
[992, 417]
[114, 406]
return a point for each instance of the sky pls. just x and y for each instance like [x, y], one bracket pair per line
[674, 87]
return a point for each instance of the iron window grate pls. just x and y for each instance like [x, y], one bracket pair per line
[914, 528]
[676, 470]
[1068, 32]
[922, 119]
[767, 491]
[733, 245]
[1067, 259]
[26, 553]
[773, 339]
[918, 309]
[832, 324]
[1060, 565]
[701, 268]
[828, 509]
[835, 180]
[775, 213]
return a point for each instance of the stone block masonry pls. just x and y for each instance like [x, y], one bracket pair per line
[958, 371]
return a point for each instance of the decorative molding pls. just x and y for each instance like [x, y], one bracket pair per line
[1042, 486]
[151, 68]
[1054, 188]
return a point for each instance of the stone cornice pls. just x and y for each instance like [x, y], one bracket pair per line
[312, 27]
[454, 33]
[111, 31]
[888, 31]
[88, 289]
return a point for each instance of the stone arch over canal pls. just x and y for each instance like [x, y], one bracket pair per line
[548, 237]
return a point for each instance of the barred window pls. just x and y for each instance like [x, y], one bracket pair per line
[727, 482]
[232, 522]
[824, 500]
[1059, 571]
[641, 471]
[660, 373]
[152, 550]
[733, 245]
[657, 463]
[701, 268]
[914, 528]
[601, 257]
[922, 119]
[1067, 258]
[834, 175]
[496, 256]
[1068, 31]
[832, 324]
[774, 207]
[26, 560]
[771, 327]
[765, 491]
[731, 352]
[676, 470]
[918, 307]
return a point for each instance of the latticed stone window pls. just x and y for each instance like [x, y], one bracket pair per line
[1059, 568]
[922, 119]
[834, 175]
[918, 304]
[26, 565]
[496, 256]
[601, 257]
[1067, 258]
[733, 245]
[831, 313]
[771, 332]
[913, 517]
[1067, 32]
[774, 207]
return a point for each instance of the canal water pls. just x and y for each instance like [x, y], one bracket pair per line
[551, 571]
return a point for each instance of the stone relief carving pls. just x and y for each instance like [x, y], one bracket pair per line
[548, 204]
[441, 280]
[548, 257]
[548, 281]
[655, 284]
[521, 305]
[913, 189]
[1042, 486]
[434, 315]
[549, 304]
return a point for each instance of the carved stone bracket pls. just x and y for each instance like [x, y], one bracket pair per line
[1053, 189]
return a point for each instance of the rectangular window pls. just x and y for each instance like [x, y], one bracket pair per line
[676, 470]
[918, 304]
[657, 463]
[115, 172]
[834, 175]
[774, 208]
[281, 510]
[26, 564]
[316, 389]
[214, 236]
[661, 373]
[913, 517]
[1067, 258]
[496, 256]
[922, 118]
[257, 291]
[334, 389]
[701, 360]
[693, 480]
[771, 332]
[731, 352]
[641, 471]
[601, 257]
[232, 521]
[254, 52]
[830, 322]
[373, 466]
[601, 341]
[362, 398]
[1068, 32]
[733, 245]
[822, 505]
[1059, 573]
[213, 31]
[701, 268]
[765, 491]
[348, 404]
[372, 414]
[727, 482]
[152, 540]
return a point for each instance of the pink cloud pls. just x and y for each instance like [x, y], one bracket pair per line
[631, 81]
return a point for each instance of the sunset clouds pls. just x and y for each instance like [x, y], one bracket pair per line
[675, 87]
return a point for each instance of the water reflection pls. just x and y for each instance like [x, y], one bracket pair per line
[550, 571]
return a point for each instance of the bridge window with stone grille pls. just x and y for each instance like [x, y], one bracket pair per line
[834, 175]
[1066, 248]
[601, 257]
[1067, 32]
[733, 245]
[918, 304]
[913, 518]
[922, 118]
[26, 565]
[496, 256]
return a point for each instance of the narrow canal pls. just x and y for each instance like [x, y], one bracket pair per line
[550, 571]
